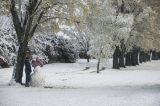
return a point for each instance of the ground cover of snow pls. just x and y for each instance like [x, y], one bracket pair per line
[72, 85]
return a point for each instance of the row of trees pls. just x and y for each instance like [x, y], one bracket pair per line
[126, 30]
[142, 41]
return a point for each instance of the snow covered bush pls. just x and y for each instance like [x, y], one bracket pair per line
[7, 48]
[38, 46]
[79, 38]
[66, 52]
[54, 48]
[7, 42]
[82, 43]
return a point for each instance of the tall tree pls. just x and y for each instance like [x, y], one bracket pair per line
[29, 14]
[25, 22]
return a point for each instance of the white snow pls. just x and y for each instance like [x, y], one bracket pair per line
[37, 79]
[72, 85]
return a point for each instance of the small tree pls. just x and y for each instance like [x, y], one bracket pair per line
[100, 48]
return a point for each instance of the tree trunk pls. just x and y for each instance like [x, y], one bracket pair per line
[145, 57]
[137, 57]
[154, 55]
[20, 62]
[98, 65]
[128, 59]
[141, 57]
[19, 66]
[121, 59]
[158, 55]
[116, 58]
[148, 56]
[134, 57]
[88, 47]
[88, 58]
[151, 55]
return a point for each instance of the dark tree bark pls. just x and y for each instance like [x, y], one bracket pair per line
[98, 65]
[20, 63]
[116, 58]
[154, 55]
[158, 55]
[148, 56]
[128, 59]
[121, 59]
[88, 58]
[144, 57]
[141, 57]
[122, 54]
[134, 57]
[137, 58]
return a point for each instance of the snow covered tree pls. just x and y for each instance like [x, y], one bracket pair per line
[152, 35]
[28, 14]
[112, 27]
[100, 29]
[123, 27]
[138, 40]
[129, 23]
[100, 48]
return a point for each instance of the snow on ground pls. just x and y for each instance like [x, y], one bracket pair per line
[75, 86]
[74, 75]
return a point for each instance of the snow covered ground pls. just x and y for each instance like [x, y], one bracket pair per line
[75, 86]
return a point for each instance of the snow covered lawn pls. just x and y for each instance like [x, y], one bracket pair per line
[75, 86]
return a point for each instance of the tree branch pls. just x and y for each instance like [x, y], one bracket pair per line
[61, 3]
[16, 21]
[37, 23]
[50, 18]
